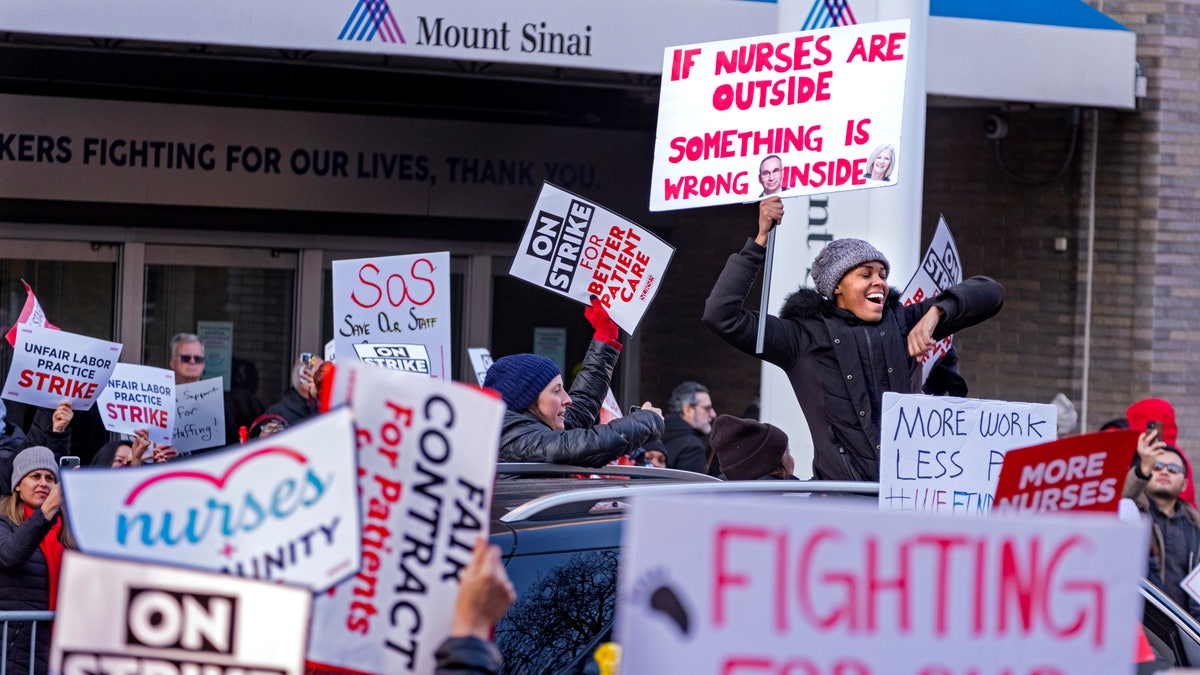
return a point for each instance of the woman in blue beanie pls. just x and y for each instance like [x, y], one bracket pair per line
[546, 423]
[845, 343]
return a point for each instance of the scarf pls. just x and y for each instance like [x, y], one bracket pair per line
[52, 548]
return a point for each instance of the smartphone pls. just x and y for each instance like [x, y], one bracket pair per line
[634, 408]
[306, 358]
[1154, 426]
[68, 461]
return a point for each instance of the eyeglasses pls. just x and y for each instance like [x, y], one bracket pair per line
[271, 428]
[189, 358]
[1169, 468]
[771, 172]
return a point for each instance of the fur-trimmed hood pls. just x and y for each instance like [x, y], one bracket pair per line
[806, 303]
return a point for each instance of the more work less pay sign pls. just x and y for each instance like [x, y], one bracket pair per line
[789, 114]
[772, 586]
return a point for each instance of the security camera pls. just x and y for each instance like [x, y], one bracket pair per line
[994, 127]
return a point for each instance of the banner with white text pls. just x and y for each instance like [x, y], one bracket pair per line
[427, 458]
[1080, 473]
[139, 397]
[199, 415]
[577, 248]
[116, 616]
[773, 585]
[791, 114]
[49, 366]
[943, 455]
[283, 508]
[395, 301]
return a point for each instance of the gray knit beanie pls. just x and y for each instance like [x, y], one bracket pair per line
[31, 459]
[841, 256]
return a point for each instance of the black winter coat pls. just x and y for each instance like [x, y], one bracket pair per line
[40, 433]
[583, 442]
[685, 445]
[25, 586]
[821, 349]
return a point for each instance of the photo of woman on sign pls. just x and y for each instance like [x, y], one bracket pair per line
[881, 163]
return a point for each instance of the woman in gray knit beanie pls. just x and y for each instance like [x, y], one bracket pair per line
[847, 342]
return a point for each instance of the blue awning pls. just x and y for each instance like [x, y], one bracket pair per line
[1063, 13]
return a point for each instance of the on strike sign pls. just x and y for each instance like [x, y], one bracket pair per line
[773, 586]
[579, 249]
[790, 114]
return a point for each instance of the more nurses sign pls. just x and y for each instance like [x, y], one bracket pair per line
[773, 585]
[577, 248]
[790, 114]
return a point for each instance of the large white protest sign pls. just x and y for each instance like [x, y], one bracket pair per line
[943, 455]
[116, 616]
[51, 365]
[774, 585]
[577, 248]
[199, 415]
[940, 269]
[427, 458]
[790, 114]
[283, 508]
[403, 299]
[139, 397]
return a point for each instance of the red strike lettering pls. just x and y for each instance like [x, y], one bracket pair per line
[137, 414]
[56, 384]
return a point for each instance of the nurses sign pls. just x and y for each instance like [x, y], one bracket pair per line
[790, 114]
[577, 248]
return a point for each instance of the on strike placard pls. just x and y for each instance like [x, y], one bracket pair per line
[199, 415]
[139, 397]
[940, 269]
[427, 458]
[51, 365]
[394, 300]
[813, 586]
[1080, 473]
[283, 508]
[790, 114]
[943, 455]
[577, 248]
[155, 619]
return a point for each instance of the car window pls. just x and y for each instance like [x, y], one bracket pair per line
[565, 601]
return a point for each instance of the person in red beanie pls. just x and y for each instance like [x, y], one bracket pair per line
[1147, 410]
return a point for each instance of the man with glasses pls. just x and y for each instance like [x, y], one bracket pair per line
[770, 175]
[187, 360]
[687, 423]
[1154, 483]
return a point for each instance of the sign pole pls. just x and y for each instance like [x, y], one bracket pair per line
[764, 304]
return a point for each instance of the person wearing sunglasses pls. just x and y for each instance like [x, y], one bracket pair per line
[187, 360]
[1158, 475]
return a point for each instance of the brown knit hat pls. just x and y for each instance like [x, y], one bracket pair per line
[748, 450]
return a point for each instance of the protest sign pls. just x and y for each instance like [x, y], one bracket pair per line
[31, 313]
[772, 585]
[427, 459]
[401, 299]
[283, 508]
[139, 397]
[199, 415]
[940, 269]
[577, 248]
[50, 365]
[121, 617]
[481, 360]
[791, 114]
[1080, 473]
[406, 358]
[1191, 584]
[943, 455]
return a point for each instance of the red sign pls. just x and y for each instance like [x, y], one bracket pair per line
[1079, 473]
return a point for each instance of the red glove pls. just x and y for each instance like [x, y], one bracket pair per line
[606, 329]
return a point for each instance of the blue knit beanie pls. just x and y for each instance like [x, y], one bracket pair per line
[520, 378]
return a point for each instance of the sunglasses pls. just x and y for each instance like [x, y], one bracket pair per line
[1169, 468]
[188, 358]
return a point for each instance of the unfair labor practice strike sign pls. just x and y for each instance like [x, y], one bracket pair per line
[397, 302]
[943, 455]
[773, 585]
[153, 619]
[283, 508]
[579, 249]
[139, 397]
[790, 114]
[51, 365]
[427, 459]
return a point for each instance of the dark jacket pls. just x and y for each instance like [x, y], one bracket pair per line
[25, 586]
[467, 656]
[1135, 489]
[821, 348]
[40, 433]
[685, 445]
[583, 442]
[293, 407]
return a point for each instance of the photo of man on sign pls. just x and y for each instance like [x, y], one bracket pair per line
[770, 175]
